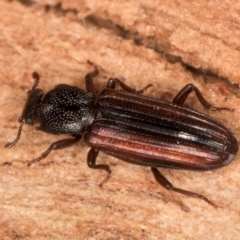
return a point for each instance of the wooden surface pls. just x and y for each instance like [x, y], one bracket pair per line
[168, 44]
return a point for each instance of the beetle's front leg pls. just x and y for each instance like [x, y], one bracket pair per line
[113, 81]
[183, 94]
[89, 80]
[91, 161]
[166, 184]
[56, 145]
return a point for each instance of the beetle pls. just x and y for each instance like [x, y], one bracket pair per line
[135, 128]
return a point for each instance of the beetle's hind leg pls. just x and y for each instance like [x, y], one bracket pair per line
[91, 161]
[166, 184]
[64, 143]
[183, 94]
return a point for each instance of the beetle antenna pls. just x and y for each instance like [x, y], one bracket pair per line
[9, 145]
[35, 76]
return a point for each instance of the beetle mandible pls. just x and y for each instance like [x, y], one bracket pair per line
[132, 127]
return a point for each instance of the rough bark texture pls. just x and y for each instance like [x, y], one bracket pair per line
[166, 43]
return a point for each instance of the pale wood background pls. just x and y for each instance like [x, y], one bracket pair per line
[166, 43]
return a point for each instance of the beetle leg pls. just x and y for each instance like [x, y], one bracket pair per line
[89, 80]
[166, 184]
[56, 145]
[91, 161]
[113, 81]
[183, 94]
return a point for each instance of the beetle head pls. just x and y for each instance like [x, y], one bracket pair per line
[29, 114]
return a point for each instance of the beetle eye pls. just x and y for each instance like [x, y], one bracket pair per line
[29, 121]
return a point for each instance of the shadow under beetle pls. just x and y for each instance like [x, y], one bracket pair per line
[135, 128]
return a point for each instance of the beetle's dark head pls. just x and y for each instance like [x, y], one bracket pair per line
[29, 114]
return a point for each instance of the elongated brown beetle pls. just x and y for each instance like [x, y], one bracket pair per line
[135, 128]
